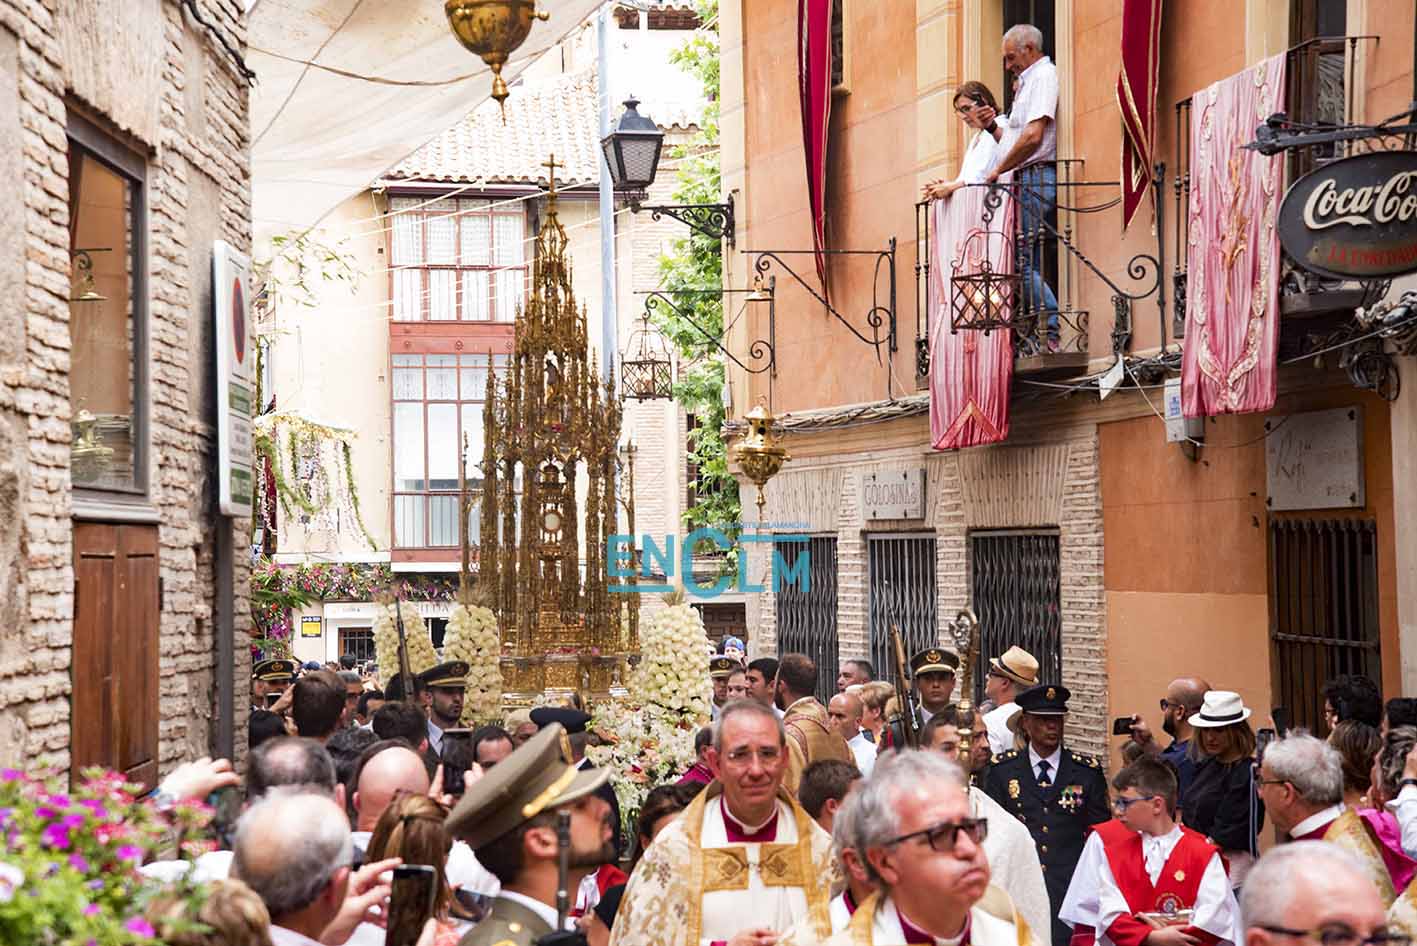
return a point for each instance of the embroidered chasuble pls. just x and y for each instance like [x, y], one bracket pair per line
[1350, 832]
[810, 739]
[706, 878]
[992, 922]
[1402, 915]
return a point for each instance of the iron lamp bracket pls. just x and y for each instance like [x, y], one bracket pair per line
[714, 221]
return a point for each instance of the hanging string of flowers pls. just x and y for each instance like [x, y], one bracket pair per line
[310, 470]
[472, 636]
[421, 655]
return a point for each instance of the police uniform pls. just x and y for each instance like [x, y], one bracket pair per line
[443, 749]
[721, 668]
[538, 776]
[932, 660]
[1060, 813]
[274, 670]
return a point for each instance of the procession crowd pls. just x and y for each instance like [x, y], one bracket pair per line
[858, 821]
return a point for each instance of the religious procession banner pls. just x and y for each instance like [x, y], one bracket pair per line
[1136, 97]
[1232, 303]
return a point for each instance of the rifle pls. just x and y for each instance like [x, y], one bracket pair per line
[904, 727]
[562, 936]
[405, 675]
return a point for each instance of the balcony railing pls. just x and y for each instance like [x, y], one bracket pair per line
[1049, 241]
[1320, 92]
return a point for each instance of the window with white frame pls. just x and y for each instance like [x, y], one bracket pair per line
[438, 402]
[456, 259]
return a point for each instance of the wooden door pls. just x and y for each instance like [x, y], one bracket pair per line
[114, 706]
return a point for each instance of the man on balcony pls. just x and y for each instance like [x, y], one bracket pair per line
[1033, 127]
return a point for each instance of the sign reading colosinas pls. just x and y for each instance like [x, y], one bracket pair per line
[893, 494]
[1355, 218]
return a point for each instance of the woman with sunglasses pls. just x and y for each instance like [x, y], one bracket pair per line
[1221, 802]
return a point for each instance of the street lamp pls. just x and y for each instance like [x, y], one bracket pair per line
[632, 153]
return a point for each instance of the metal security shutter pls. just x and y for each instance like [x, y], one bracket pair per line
[1017, 599]
[901, 576]
[806, 620]
[1324, 609]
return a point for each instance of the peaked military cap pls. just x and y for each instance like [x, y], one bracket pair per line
[1046, 700]
[723, 667]
[275, 670]
[449, 673]
[934, 660]
[538, 776]
[568, 717]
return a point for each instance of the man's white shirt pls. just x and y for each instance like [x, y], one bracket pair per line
[1404, 809]
[1001, 738]
[864, 750]
[1052, 760]
[1037, 97]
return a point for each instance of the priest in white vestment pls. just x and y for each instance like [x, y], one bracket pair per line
[923, 847]
[744, 863]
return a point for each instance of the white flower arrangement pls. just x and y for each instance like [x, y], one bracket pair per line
[473, 637]
[421, 655]
[673, 671]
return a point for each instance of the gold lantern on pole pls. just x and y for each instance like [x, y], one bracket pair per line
[759, 454]
[493, 29]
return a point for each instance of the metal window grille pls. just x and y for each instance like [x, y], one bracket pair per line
[358, 641]
[1017, 592]
[1324, 608]
[901, 577]
[806, 620]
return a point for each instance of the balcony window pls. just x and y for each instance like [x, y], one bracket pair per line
[456, 260]
[437, 407]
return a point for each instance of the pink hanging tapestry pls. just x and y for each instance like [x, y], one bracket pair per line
[970, 371]
[1232, 260]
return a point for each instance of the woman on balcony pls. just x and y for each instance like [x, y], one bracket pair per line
[986, 149]
[972, 287]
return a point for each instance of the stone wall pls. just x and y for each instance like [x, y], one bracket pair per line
[163, 86]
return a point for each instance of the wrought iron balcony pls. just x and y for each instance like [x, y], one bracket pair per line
[1321, 80]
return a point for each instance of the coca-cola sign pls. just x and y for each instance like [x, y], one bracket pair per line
[1355, 218]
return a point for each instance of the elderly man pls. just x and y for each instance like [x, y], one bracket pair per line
[1309, 893]
[509, 817]
[922, 845]
[844, 712]
[811, 737]
[854, 672]
[1033, 127]
[1008, 676]
[1058, 793]
[744, 862]
[293, 850]
[1300, 782]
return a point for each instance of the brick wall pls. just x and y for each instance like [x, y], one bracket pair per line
[171, 94]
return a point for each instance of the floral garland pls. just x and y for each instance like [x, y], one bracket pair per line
[421, 655]
[69, 859]
[652, 736]
[473, 636]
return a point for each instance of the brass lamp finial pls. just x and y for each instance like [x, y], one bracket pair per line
[759, 453]
[493, 29]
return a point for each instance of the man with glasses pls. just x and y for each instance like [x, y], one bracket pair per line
[1156, 883]
[1183, 700]
[744, 863]
[1313, 894]
[922, 845]
[1057, 793]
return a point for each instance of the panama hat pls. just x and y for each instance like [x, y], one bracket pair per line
[1220, 708]
[1017, 665]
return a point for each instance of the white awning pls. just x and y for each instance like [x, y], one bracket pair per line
[319, 137]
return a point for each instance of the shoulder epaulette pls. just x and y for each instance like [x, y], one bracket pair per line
[1006, 755]
[1086, 760]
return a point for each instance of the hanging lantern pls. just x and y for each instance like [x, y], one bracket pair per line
[82, 288]
[632, 151]
[983, 296]
[646, 374]
[493, 29]
[759, 453]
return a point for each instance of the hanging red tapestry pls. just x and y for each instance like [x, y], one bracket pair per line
[1136, 97]
[814, 79]
[1232, 261]
[970, 371]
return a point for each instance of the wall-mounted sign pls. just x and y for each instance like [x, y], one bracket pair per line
[1314, 460]
[235, 387]
[310, 626]
[893, 494]
[1355, 218]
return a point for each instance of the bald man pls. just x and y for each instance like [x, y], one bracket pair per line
[1184, 696]
[294, 851]
[387, 768]
[844, 712]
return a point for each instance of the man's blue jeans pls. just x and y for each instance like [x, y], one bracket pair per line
[1038, 198]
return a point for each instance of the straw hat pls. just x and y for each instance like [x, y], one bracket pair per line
[1017, 665]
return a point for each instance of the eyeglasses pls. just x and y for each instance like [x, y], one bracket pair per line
[1120, 805]
[1340, 935]
[742, 756]
[941, 837]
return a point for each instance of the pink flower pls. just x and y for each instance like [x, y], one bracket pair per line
[129, 852]
[92, 909]
[140, 926]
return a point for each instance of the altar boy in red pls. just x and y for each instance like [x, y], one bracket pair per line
[1161, 884]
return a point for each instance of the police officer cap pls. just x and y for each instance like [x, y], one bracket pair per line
[449, 673]
[1047, 700]
[275, 670]
[722, 667]
[538, 776]
[571, 719]
[934, 660]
